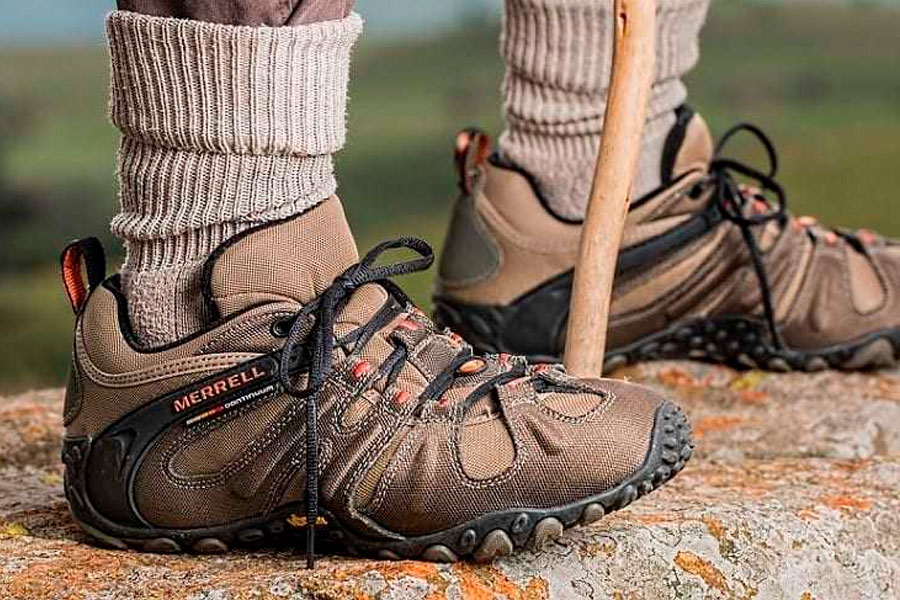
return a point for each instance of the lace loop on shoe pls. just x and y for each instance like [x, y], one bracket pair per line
[319, 344]
[316, 344]
[732, 201]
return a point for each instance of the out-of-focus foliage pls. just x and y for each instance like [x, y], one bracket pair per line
[822, 79]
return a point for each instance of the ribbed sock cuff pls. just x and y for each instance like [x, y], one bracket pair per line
[563, 164]
[224, 124]
[558, 57]
[230, 89]
[224, 127]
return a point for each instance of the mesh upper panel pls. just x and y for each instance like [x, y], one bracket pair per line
[296, 259]
[486, 448]
[572, 405]
[560, 461]
[414, 467]
[221, 442]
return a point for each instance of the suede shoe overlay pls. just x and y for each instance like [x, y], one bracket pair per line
[321, 400]
[711, 267]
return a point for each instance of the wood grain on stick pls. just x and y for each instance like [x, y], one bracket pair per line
[617, 162]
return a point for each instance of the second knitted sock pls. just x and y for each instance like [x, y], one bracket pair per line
[558, 55]
[224, 127]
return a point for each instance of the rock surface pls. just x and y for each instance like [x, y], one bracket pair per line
[794, 493]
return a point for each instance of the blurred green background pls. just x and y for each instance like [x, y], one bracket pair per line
[822, 78]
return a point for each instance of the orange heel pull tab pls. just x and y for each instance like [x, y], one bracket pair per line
[87, 252]
[469, 155]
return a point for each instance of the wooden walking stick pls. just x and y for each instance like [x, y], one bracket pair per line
[629, 91]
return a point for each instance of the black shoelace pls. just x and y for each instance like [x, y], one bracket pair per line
[732, 202]
[315, 345]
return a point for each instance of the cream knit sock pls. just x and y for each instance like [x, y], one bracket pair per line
[558, 55]
[224, 127]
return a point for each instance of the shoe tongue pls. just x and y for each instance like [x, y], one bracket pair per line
[688, 147]
[295, 259]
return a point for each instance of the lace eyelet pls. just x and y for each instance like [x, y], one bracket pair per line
[361, 370]
[472, 367]
[455, 339]
[281, 328]
[401, 398]
[409, 325]
[867, 237]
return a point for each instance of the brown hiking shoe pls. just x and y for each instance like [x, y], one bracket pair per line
[322, 395]
[709, 268]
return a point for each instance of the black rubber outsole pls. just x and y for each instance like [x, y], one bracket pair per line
[739, 341]
[746, 344]
[482, 540]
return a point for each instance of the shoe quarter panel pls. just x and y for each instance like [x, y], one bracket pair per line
[787, 266]
[426, 487]
[114, 378]
[685, 284]
[252, 447]
[657, 283]
[825, 313]
[533, 247]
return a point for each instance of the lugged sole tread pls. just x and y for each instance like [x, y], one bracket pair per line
[738, 341]
[704, 341]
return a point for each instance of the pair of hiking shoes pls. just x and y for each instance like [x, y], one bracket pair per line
[322, 402]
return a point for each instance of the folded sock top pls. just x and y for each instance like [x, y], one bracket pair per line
[231, 89]
[223, 125]
[224, 128]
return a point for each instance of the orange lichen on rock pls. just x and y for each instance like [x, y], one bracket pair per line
[808, 514]
[839, 502]
[486, 583]
[656, 518]
[714, 526]
[755, 397]
[411, 568]
[888, 388]
[706, 425]
[704, 569]
[679, 378]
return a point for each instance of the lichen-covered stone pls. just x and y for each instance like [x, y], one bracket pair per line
[31, 429]
[794, 493]
[765, 415]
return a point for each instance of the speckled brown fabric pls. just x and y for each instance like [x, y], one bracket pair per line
[830, 289]
[391, 457]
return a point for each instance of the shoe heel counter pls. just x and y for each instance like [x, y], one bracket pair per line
[76, 404]
[74, 396]
[471, 256]
[471, 253]
[81, 257]
[76, 442]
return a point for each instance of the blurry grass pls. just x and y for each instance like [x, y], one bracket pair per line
[35, 328]
[821, 79]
